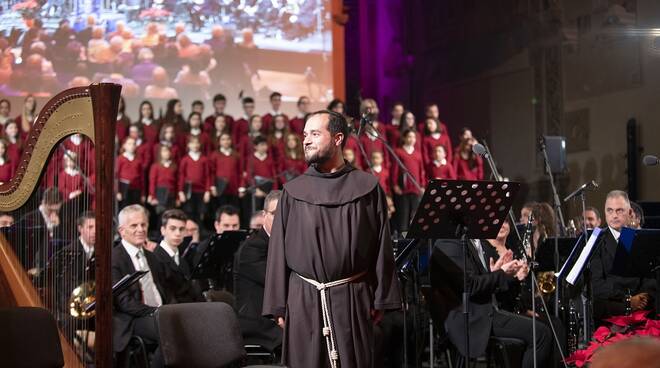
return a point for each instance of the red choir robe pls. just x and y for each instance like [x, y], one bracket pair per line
[84, 150]
[371, 145]
[209, 122]
[7, 171]
[145, 152]
[383, 176]
[131, 172]
[393, 134]
[297, 125]
[415, 164]
[292, 168]
[240, 129]
[14, 152]
[69, 182]
[245, 146]
[255, 167]
[465, 171]
[421, 127]
[429, 144]
[435, 170]
[268, 120]
[151, 132]
[277, 147]
[197, 173]
[161, 176]
[228, 168]
[123, 122]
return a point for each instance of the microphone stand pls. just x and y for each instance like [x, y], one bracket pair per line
[560, 225]
[409, 176]
[361, 147]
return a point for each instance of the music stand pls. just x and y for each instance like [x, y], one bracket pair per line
[462, 209]
[218, 257]
[120, 286]
[638, 255]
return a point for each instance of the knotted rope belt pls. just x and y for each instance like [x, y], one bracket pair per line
[330, 341]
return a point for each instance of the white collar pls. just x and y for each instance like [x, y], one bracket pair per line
[436, 135]
[172, 252]
[167, 163]
[195, 131]
[378, 168]
[226, 151]
[2, 161]
[195, 155]
[76, 139]
[88, 248]
[409, 150]
[440, 163]
[615, 233]
[261, 157]
[273, 113]
[396, 122]
[147, 121]
[129, 156]
[131, 249]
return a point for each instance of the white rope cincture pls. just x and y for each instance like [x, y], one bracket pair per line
[330, 341]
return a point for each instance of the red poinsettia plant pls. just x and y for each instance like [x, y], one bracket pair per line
[621, 328]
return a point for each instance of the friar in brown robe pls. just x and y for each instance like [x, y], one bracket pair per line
[330, 228]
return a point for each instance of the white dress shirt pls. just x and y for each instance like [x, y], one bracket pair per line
[150, 292]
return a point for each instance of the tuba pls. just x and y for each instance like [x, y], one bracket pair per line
[40, 262]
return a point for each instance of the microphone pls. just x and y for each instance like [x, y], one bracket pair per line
[479, 149]
[650, 160]
[592, 185]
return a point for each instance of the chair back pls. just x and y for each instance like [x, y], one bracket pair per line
[29, 338]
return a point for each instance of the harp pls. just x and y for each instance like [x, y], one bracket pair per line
[40, 265]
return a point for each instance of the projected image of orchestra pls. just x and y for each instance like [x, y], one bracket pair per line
[166, 49]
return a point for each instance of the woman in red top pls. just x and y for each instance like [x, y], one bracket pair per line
[28, 114]
[434, 136]
[440, 167]
[407, 193]
[70, 181]
[150, 127]
[226, 171]
[407, 123]
[279, 129]
[194, 180]
[130, 173]
[293, 163]
[219, 127]
[163, 181]
[14, 141]
[122, 121]
[467, 164]
[245, 147]
[7, 168]
[167, 139]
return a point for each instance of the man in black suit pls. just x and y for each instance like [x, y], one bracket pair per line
[177, 283]
[610, 290]
[134, 309]
[249, 280]
[485, 278]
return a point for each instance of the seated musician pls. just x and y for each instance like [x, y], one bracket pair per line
[610, 291]
[178, 284]
[249, 280]
[487, 277]
[134, 309]
[44, 231]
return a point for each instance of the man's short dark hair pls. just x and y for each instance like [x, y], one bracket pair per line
[51, 196]
[227, 209]
[247, 100]
[173, 214]
[398, 103]
[197, 102]
[274, 195]
[275, 94]
[300, 100]
[219, 97]
[336, 123]
[639, 212]
[594, 210]
[87, 215]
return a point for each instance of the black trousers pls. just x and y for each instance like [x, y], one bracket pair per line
[506, 324]
[147, 328]
[194, 207]
[406, 205]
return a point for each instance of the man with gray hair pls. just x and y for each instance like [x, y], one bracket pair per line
[134, 309]
[611, 291]
[249, 279]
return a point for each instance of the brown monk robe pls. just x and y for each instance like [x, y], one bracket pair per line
[329, 227]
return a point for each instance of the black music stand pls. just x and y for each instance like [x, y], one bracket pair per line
[218, 257]
[638, 255]
[120, 286]
[463, 209]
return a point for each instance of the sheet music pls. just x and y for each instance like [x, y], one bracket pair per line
[583, 258]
